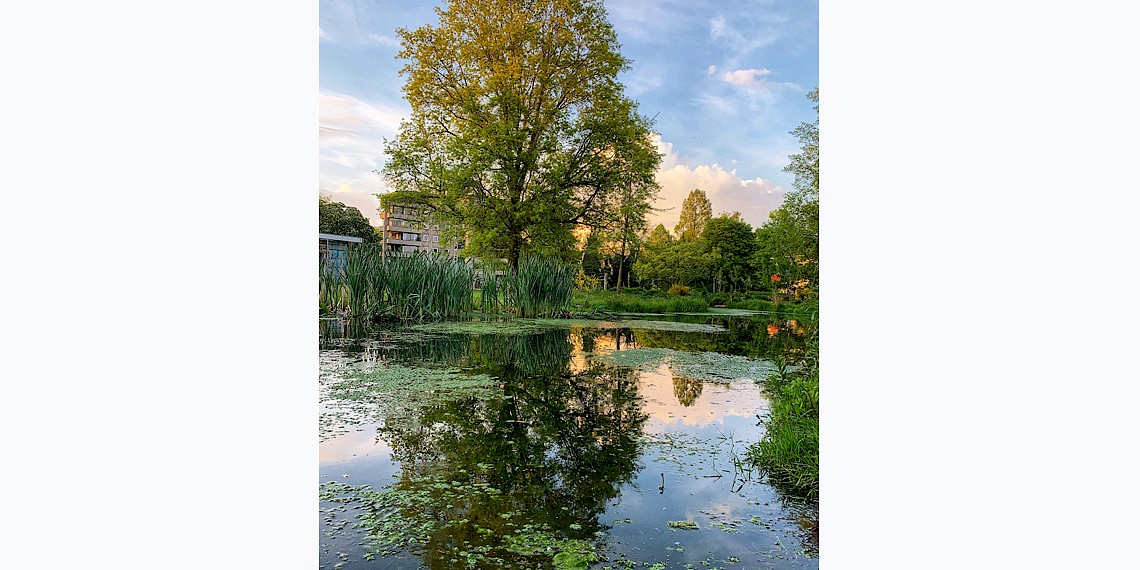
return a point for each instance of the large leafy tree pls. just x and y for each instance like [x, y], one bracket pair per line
[788, 243]
[622, 233]
[340, 219]
[696, 211]
[520, 129]
[732, 242]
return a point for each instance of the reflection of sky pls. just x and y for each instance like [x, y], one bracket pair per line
[716, 402]
[700, 482]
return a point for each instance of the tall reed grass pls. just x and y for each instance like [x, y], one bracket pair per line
[540, 287]
[413, 286]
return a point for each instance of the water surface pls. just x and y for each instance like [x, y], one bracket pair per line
[475, 446]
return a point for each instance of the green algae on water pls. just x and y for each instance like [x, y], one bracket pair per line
[710, 366]
[374, 392]
[525, 326]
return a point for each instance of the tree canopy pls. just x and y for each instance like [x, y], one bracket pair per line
[340, 219]
[520, 129]
[696, 211]
[788, 243]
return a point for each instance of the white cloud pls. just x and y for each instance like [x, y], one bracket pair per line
[738, 43]
[745, 77]
[711, 70]
[384, 40]
[753, 198]
[721, 104]
[351, 147]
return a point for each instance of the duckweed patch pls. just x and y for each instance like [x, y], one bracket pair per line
[710, 366]
[409, 516]
[370, 392]
[684, 525]
[524, 326]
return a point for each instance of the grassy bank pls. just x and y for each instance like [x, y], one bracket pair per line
[789, 452]
[636, 302]
[806, 310]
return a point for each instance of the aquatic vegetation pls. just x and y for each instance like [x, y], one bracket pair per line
[370, 391]
[709, 366]
[523, 326]
[418, 286]
[512, 440]
[540, 286]
[789, 451]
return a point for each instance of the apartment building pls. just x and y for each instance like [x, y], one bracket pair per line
[405, 230]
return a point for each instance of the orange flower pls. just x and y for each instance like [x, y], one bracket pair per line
[775, 278]
[772, 330]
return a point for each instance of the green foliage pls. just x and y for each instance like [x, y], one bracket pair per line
[337, 218]
[696, 211]
[789, 452]
[805, 164]
[520, 129]
[684, 262]
[627, 302]
[409, 287]
[491, 291]
[541, 286]
[585, 283]
[788, 243]
[732, 244]
[678, 289]
[803, 309]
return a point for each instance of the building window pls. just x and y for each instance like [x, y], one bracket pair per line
[435, 239]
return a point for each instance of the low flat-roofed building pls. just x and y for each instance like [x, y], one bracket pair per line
[333, 249]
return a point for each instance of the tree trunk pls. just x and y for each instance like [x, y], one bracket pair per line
[621, 265]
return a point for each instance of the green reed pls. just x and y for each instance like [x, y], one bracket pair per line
[414, 286]
[540, 287]
[491, 291]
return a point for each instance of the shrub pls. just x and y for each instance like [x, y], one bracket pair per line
[678, 289]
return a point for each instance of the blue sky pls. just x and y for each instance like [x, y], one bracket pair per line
[726, 81]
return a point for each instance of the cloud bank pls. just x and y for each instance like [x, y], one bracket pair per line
[753, 198]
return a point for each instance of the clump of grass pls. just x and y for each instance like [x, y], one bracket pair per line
[408, 287]
[789, 452]
[491, 291]
[540, 286]
[636, 303]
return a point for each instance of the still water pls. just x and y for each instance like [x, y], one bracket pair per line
[553, 444]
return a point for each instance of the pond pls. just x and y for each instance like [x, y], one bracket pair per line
[532, 443]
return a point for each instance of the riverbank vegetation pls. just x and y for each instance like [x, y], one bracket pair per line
[789, 451]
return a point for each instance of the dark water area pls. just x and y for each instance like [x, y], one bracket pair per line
[548, 444]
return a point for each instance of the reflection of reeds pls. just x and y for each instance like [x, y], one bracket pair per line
[540, 287]
[545, 353]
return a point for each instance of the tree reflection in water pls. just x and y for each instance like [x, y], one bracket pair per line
[511, 480]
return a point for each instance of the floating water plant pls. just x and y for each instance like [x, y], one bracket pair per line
[711, 366]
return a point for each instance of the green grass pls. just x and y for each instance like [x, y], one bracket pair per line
[801, 309]
[789, 452]
[636, 303]
[408, 287]
[540, 287]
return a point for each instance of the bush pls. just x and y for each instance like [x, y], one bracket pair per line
[789, 452]
[678, 289]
